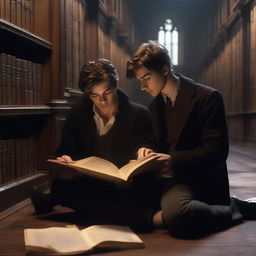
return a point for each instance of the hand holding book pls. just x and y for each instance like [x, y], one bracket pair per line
[103, 169]
[165, 169]
[66, 173]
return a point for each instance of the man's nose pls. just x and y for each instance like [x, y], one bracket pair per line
[143, 86]
[103, 98]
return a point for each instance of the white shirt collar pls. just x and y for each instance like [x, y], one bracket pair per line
[102, 128]
[172, 94]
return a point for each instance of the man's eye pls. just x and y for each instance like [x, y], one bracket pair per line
[93, 95]
[107, 92]
[146, 78]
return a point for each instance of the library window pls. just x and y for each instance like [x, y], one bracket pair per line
[169, 37]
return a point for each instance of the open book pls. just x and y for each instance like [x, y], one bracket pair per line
[101, 168]
[71, 240]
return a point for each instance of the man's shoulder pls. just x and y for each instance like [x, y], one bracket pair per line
[137, 109]
[80, 106]
[156, 101]
[129, 104]
[138, 106]
[198, 89]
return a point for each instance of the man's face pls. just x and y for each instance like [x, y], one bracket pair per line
[102, 95]
[151, 81]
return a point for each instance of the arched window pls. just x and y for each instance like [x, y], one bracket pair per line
[169, 37]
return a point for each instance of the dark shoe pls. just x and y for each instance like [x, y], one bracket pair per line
[42, 202]
[246, 207]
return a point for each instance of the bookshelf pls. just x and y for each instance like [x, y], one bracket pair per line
[24, 68]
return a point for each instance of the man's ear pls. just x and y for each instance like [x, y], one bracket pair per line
[165, 70]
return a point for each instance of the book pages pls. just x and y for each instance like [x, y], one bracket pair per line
[98, 165]
[107, 235]
[126, 170]
[57, 239]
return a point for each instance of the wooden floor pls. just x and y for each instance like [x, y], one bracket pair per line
[239, 240]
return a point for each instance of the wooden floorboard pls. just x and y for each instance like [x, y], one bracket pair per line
[238, 240]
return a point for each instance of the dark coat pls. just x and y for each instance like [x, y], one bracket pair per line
[199, 147]
[131, 130]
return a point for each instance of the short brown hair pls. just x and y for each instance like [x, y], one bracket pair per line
[151, 55]
[98, 71]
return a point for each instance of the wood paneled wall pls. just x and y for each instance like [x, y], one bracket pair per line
[230, 63]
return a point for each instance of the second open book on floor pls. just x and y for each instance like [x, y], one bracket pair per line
[103, 169]
[71, 240]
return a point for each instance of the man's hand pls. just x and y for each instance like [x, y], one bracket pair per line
[142, 152]
[165, 169]
[65, 158]
[66, 173]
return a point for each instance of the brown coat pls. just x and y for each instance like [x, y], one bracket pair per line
[199, 144]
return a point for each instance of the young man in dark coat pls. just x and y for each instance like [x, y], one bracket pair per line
[190, 128]
[103, 123]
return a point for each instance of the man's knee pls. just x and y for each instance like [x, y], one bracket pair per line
[176, 214]
[177, 205]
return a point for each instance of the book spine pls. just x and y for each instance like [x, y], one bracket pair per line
[13, 18]
[18, 82]
[4, 77]
[2, 9]
[9, 79]
[25, 82]
[8, 10]
[24, 155]
[1, 162]
[38, 83]
[34, 83]
[27, 15]
[23, 14]
[13, 80]
[31, 155]
[31, 8]
[34, 154]
[6, 177]
[11, 159]
[22, 81]
[30, 84]
[1, 80]
[9, 163]
[19, 13]
[4, 160]
[18, 160]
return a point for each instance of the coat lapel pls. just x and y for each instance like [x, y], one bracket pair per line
[182, 107]
[158, 121]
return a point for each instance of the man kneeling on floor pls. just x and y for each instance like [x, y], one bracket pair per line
[190, 128]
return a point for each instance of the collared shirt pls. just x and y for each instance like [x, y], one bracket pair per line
[172, 95]
[102, 128]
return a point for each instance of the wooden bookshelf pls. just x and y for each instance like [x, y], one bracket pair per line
[24, 110]
[25, 56]
[19, 32]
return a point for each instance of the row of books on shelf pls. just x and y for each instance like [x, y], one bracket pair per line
[17, 158]
[18, 12]
[20, 81]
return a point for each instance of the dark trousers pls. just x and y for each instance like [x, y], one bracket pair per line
[186, 216]
[131, 203]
